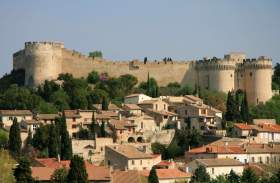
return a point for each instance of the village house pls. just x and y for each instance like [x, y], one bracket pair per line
[131, 110]
[216, 167]
[245, 152]
[136, 98]
[154, 104]
[127, 157]
[262, 132]
[92, 150]
[44, 168]
[46, 118]
[8, 116]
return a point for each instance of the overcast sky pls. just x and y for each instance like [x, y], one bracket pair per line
[129, 29]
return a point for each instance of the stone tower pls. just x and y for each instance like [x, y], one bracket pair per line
[43, 61]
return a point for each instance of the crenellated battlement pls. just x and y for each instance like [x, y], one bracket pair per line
[45, 60]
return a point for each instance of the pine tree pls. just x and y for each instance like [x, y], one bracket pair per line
[249, 176]
[77, 172]
[200, 175]
[232, 177]
[65, 141]
[275, 178]
[244, 112]
[53, 144]
[102, 129]
[92, 127]
[22, 172]
[14, 139]
[153, 178]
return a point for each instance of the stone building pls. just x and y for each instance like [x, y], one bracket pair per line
[46, 60]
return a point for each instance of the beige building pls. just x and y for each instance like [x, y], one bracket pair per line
[244, 152]
[8, 116]
[216, 167]
[46, 118]
[264, 132]
[128, 157]
[136, 98]
[154, 104]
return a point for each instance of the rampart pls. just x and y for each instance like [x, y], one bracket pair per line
[46, 60]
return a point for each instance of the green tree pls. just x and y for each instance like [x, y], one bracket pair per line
[60, 99]
[46, 89]
[93, 77]
[276, 77]
[200, 175]
[105, 103]
[230, 113]
[77, 172]
[249, 176]
[65, 140]
[1, 122]
[92, 126]
[153, 178]
[244, 111]
[83, 134]
[14, 139]
[22, 172]
[219, 179]
[15, 77]
[28, 140]
[186, 90]
[53, 143]
[275, 178]
[95, 54]
[59, 176]
[4, 139]
[41, 138]
[158, 148]
[102, 129]
[232, 177]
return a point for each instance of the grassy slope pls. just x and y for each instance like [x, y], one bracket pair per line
[7, 163]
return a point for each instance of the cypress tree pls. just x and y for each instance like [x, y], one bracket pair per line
[14, 139]
[65, 141]
[77, 172]
[53, 143]
[22, 172]
[244, 112]
[105, 104]
[92, 127]
[230, 107]
[102, 130]
[153, 178]
[28, 140]
[237, 106]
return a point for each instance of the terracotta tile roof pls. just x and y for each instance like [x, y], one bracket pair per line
[243, 126]
[163, 113]
[217, 149]
[15, 113]
[131, 107]
[121, 124]
[49, 165]
[42, 173]
[129, 176]
[267, 127]
[32, 121]
[151, 101]
[219, 162]
[130, 152]
[168, 174]
[72, 114]
[110, 106]
[193, 98]
[46, 116]
[97, 173]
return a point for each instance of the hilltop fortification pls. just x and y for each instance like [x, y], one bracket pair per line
[46, 60]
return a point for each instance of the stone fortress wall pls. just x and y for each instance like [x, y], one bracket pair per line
[46, 60]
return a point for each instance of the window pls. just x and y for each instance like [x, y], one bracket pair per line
[231, 75]
[101, 149]
[267, 160]
[251, 74]
[74, 119]
[186, 112]
[156, 107]
[74, 126]
[121, 131]
[140, 162]
[164, 106]
[132, 162]
[109, 163]
[213, 171]
[142, 125]
[245, 160]
[260, 159]
[253, 159]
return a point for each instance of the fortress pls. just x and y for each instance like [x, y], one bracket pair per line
[46, 60]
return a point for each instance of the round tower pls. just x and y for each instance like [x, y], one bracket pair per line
[258, 73]
[43, 61]
[216, 74]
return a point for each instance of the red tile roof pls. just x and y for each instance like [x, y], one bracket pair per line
[42, 173]
[243, 126]
[217, 149]
[168, 173]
